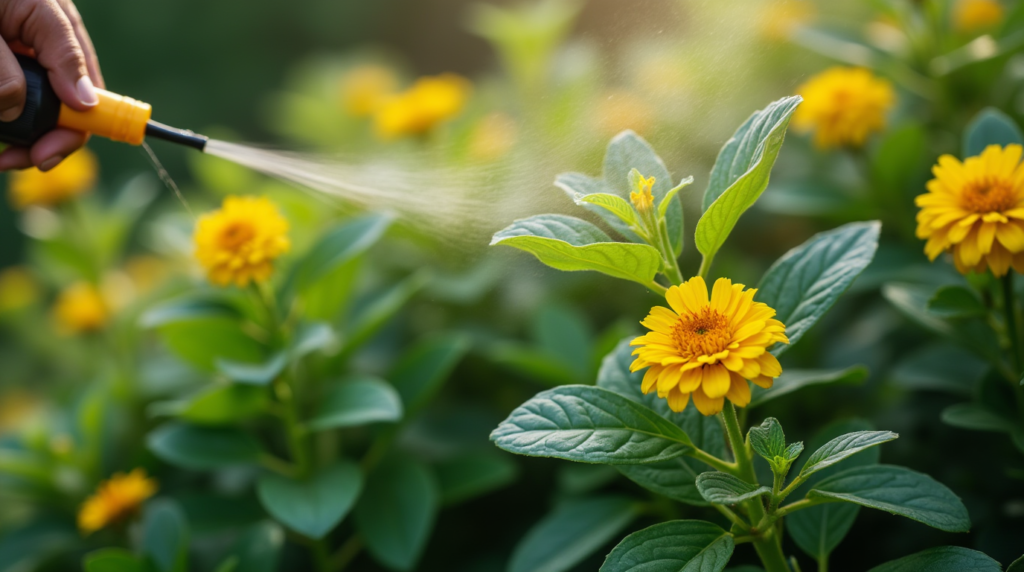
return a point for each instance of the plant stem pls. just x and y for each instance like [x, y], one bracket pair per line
[767, 543]
[732, 516]
[714, 462]
[656, 288]
[705, 266]
[321, 556]
[823, 563]
[1010, 310]
[348, 551]
[668, 254]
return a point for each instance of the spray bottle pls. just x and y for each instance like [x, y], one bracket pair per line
[116, 117]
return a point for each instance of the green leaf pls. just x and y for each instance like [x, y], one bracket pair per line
[422, 370]
[897, 490]
[186, 309]
[112, 560]
[614, 204]
[165, 536]
[723, 488]
[590, 425]
[327, 298]
[674, 478]
[533, 364]
[794, 379]
[396, 512]
[570, 533]
[976, 417]
[1016, 566]
[202, 342]
[474, 474]
[667, 202]
[570, 244]
[805, 283]
[628, 151]
[315, 505]
[990, 127]
[201, 448]
[844, 446]
[956, 302]
[372, 315]
[563, 333]
[218, 404]
[940, 366]
[355, 402]
[253, 373]
[674, 546]
[337, 247]
[819, 529]
[768, 439]
[943, 559]
[900, 162]
[741, 173]
[229, 564]
[578, 184]
[259, 547]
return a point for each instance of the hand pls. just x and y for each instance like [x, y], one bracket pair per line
[53, 29]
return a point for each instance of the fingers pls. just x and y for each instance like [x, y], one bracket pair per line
[84, 40]
[15, 158]
[43, 26]
[53, 147]
[12, 85]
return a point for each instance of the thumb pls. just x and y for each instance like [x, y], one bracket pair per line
[46, 29]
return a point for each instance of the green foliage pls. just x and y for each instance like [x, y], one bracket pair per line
[571, 532]
[805, 283]
[217, 405]
[590, 425]
[769, 441]
[473, 474]
[200, 448]
[942, 559]
[337, 247]
[357, 402]
[793, 379]
[259, 548]
[674, 546]
[956, 302]
[165, 536]
[897, 490]
[723, 488]
[842, 447]
[741, 173]
[418, 375]
[314, 505]
[112, 560]
[990, 127]
[976, 417]
[570, 244]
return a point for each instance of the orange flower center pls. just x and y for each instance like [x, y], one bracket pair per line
[700, 334]
[988, 195]
[236, 234]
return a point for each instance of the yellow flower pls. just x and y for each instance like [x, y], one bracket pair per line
[17, 289]
[976, 209]
[493, 137]
[429, 102]
[780, 18]
[239, 243]
[115, 499]
[80, 308]
[708, 348]
[843, 106]
[620, 110]
[976, 15]
[72, 177]
[364, 88]
[642, 198]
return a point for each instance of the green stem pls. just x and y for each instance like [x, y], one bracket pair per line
[668, 254]
[1012, 331]
[705, 266]
[733, 517]
[714, 462]
[656, 288]
[347, 553]
[823, 563]
[321, 556]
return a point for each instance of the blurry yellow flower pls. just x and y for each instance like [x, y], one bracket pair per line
[17, 289]
[843, 106]
[16, 407]
[977, 15]
[620, 110]
[116, 499]
[80, 308]
[429, 102]
[72, 177]
[708, 348]
[780, 18]
[493, 137]
[976, 209]
[239, 243]
[642, 198]
[365, 88]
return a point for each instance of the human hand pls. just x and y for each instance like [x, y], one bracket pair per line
[53, 29]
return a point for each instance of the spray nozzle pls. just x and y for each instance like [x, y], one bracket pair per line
[175, 135]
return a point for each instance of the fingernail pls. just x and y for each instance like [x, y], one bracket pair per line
[10, 114]
[87, 92]
[50, 163]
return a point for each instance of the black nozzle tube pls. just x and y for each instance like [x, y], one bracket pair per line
[174, 135]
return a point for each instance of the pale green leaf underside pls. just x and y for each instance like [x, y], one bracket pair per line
[675, 546]
[943, 559]
[723, 488]
[844, 446]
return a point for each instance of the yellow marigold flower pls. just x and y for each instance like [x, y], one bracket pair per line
[843, 106]
[80, 308]
[493, 137]
[642, 198]
[72, 177]
[976, 209]
[116, 499]
[429, 102]
[239, 243]
[366, 87]
[976, 15]
[708, 349]
[779, 19]
[17, 289]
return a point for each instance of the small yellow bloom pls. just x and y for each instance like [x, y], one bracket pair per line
[17, 289]
[239, 243]
[621, 110]
[429, 102]
[493, 137]
[780, 18]
[80, 308]
[642, 198]
[366, 87]
[116, 499]
[72, 177]
[976, 210]
[708, 348]
[977, 15]
[843, 106]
